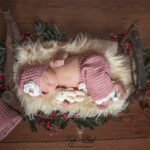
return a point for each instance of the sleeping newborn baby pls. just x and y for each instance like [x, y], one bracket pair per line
[89, 72]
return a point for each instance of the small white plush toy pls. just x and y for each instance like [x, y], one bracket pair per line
[70, 95]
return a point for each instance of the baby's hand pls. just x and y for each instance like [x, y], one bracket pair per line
[59, 59]
[58, 63]
[70, 95]
[120, 89]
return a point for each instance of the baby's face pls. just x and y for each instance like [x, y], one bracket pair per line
[48, 82]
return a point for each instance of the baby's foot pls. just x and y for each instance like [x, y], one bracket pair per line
[120, 89]
[104, 105]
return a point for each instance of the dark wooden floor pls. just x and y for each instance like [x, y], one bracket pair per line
[133, 132]
[98, 18]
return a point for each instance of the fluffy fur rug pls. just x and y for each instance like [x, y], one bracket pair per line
[38, 52]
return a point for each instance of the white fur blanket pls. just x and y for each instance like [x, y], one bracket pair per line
[38, 52]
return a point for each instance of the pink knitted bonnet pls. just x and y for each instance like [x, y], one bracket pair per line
[29, 77]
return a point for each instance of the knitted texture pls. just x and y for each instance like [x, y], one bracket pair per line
[30, 73]
[95, 73]
[8, 119]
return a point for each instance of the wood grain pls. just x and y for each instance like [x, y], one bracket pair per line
[119, 144]
[135, 124]
[98, 18]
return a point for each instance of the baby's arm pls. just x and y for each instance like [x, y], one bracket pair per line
[59, 59]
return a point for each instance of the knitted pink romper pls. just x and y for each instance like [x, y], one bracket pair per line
[95, 74]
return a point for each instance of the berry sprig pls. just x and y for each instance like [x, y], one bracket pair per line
[56, 121]
[28, 36]
[119, 37]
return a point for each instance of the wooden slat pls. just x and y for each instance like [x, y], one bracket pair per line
[120, 144]
[98, 18]
[64, 9]
[135, 124]
[98, 31]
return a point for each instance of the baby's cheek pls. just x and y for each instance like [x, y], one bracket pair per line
[44, 87]
[51, 89]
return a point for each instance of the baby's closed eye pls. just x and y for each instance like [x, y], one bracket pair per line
[44, 93]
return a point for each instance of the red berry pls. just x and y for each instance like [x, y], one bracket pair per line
[115, 36]
[0, 67]
[1, 85]
[64, 115]
[55, 127]
[35, 34]
[42, 123]
[53, 114]
[50, 128]
[69, 119]
[127, 45]
[48, 125]
[48, 122]
[59, 130]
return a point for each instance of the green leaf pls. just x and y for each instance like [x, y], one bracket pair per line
[119, 118]
[32, 125]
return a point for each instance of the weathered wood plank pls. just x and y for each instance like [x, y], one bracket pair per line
[120, 144]
[64, 9]
[98, 31]
[135, 124]
[98, 18]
